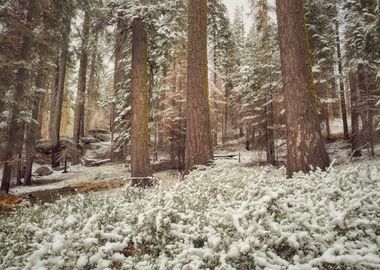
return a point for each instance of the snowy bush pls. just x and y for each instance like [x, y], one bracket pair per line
[223, 217]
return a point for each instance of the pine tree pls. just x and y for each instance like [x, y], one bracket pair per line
[81, 93]
[15, 133]
[140, 160]
[305, 144]
[198, 150]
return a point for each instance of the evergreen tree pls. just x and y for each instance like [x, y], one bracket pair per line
[305, 144]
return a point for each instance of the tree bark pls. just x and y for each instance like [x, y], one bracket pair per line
[57, 97]
[90, 108]
[33, 131]
[119, 78]
[356, 143]
[269, 131]
[306, 149]
[198, 146]
[15, 132]
[140, 161]
[81, 93]
[341, 84]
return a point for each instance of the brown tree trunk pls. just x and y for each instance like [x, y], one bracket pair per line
[198, 149]
[306, 149]
[81, 93]
[119, 77]
[356, 143]
[57, 98]
[90, 108]
[15, 132]
[140, 161]
[33, 131]
[341, 84]
[269, 132]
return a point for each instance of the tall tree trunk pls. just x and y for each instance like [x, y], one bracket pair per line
[140, 161]
[57, 97]
[119, 78]
[15, 132]
[81, 93]
[33, 130]
[341, 84]
[198, 149]
[228, 88]
[269, 131]
[356, 143]
[306, 149]
[366, 108]
[20, 158]
[90, 108]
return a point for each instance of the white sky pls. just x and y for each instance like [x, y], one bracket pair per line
[231, 5]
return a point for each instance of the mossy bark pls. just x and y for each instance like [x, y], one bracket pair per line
[140, 159]
[306, 149]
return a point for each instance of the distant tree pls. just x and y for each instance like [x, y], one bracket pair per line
[198, 150]
[305, 144]
[64, 26]
[82, 80]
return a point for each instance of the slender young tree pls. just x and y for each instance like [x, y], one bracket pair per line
[306, 149]
[341, 83]
[140, 161]
[32, 129]
[198, 147]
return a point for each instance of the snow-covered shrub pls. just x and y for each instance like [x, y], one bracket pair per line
[222, 217]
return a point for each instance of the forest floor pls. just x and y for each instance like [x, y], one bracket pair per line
[232, 215]
[80, 179]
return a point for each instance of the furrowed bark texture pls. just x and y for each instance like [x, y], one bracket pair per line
[198, 129]
[140, 159]
[305, 144]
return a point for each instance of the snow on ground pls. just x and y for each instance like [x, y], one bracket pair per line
[224, 217]
[76, 174]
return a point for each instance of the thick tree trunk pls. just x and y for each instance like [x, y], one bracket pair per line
[341, 84]
[57, 98]
[81, 93]
[306, 149]
[356, 143]
[15, 132]
[119, 77]
[140, 161]
[198, 149]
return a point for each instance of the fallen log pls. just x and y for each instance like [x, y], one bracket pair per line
[95, 162]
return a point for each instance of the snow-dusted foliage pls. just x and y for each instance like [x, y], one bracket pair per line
[219, 218]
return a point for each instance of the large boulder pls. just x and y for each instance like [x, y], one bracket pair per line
[43, 171]
[45, 146]
[101, 134]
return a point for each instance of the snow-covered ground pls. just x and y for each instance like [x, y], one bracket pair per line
[227, 216]
[76, 174]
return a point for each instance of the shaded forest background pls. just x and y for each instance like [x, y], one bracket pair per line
[66, 72]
